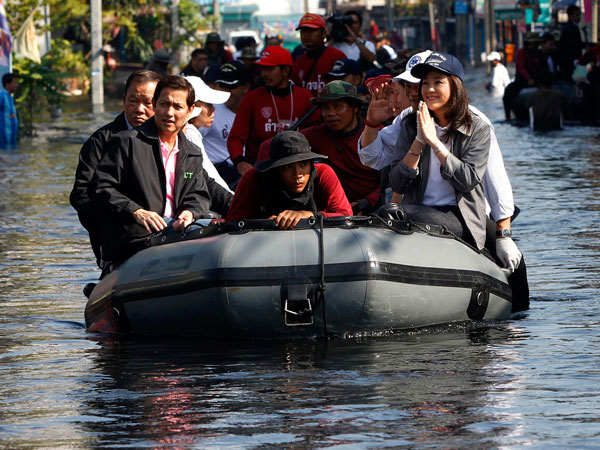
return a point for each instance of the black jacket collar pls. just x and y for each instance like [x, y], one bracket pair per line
[148, 130]
[120, 122]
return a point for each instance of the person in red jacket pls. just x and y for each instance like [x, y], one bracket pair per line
[338, 138]
[310, 69]
[289, 186]
[267, 110]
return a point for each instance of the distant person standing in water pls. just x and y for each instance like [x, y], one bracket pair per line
[9, 122]
[499, 77]
[546, 106]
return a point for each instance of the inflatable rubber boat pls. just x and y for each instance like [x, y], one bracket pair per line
[329, 277]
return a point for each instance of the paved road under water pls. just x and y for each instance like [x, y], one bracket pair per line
[528, 382]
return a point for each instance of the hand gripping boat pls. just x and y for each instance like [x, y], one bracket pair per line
[328, 277]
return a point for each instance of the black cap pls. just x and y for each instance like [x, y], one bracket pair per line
[212, 73]
[286, 148]
[231, 75]
[444, 62]
[343, 67]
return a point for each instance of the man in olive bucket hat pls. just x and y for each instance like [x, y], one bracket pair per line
[289, 186]
[530, 64]
[337, 137]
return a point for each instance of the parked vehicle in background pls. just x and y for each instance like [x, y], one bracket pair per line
[233, 36]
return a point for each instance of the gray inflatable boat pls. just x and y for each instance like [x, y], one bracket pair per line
[327, 277]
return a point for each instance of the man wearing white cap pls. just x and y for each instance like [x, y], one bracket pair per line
[202, 116]
[377, 149]
[499, 77]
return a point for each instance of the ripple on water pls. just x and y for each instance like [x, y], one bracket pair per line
[527, 382]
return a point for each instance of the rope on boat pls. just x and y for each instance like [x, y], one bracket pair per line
[322, 287]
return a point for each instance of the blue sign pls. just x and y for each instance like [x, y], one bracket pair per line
[461, 7]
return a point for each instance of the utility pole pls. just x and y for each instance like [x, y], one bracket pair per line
[174, 34]
[493, 40]
[217, 15]
[97, 57]
[594, 21]
[490, 26]
[434, 43]
[390, 16]
[306, 7]
[330, 7]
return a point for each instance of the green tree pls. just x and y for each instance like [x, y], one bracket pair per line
[39, 85]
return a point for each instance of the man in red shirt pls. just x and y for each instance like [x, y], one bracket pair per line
[310, 69]
[268, 110]
[337, 138]
[289, 186]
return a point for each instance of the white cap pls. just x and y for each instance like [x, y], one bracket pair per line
[205, 94]
[494, 56]
[412, 62]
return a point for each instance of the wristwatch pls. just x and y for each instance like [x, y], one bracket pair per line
[503, 233]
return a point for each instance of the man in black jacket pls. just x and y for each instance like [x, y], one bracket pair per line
[151, 176]
[570, 44]
[137, 108]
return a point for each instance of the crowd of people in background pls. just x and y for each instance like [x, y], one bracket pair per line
[547, 70]
[340, 126]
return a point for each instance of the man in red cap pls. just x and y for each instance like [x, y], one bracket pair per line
[268, 110]
[310, 69]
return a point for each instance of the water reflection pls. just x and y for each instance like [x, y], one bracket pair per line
[527, 382]
[415, 388]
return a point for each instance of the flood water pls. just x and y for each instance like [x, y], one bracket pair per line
[532, 381]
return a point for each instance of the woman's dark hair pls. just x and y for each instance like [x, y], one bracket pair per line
[458, 105]
[176, 83]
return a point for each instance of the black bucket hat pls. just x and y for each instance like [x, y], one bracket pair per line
[444, 62]
[286, 148]
[214, 37]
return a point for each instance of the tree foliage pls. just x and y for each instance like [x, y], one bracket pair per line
[133, 24]
[43, 85]
[411, 9]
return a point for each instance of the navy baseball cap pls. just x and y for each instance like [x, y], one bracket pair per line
[231, 75]
[444, 62]
[343, 67]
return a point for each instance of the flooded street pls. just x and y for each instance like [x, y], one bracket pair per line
[528, 382]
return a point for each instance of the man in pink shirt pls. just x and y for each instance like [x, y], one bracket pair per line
[152, 175]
